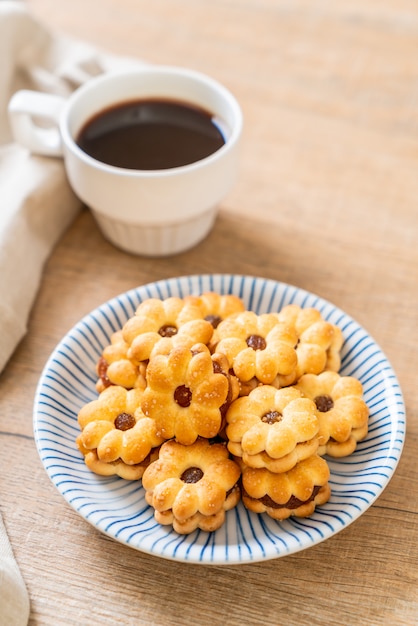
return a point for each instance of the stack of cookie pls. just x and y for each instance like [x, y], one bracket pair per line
[209, 403]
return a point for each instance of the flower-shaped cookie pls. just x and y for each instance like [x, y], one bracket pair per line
[158, 325]
[116, 437]
[280, 495]
[184, 395]
[319, 342]
[342, 413]
[258, 346]
[215, 308]
[118, 467]
[334, 351]
[192, 486]
[272, 428]
[115, 368]
[221, 366]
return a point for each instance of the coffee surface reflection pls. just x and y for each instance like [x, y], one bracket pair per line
[152, 134]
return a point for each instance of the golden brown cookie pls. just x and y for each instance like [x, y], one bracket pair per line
[159, 325]
[116, 437]
[115, 368]
[117, 468]
[272, 428]
[258, 346]
[184, 394]
[221, 366]
[192, 486]
[318, 345]
[334, 351]
[215, 308]
[342, 413]
[188, 382]
[293, 493]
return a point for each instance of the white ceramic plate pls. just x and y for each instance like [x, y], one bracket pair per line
[117, 507]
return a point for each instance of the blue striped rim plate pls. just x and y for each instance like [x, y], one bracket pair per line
[118, 508]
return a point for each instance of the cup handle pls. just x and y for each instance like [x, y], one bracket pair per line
[34, 120]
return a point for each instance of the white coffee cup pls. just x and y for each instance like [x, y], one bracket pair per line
[147, 212]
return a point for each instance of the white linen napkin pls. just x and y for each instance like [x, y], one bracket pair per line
[36, 204]
[14, 599]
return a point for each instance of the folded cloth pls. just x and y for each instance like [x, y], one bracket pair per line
[14, 599]
[37, 204]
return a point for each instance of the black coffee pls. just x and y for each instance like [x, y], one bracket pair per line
[150, 135]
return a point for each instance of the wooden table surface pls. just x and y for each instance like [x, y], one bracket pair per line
[326, 200]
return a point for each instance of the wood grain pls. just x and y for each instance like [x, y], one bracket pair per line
[326, 200]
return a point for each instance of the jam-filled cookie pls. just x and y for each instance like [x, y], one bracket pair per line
[342, 413]
[221, 366]
[334, 351]
[116, 437]
[184, 395]
[258, 346]
[215, 308]
[319, 342]
[118, 467]
[158, 325]
[115, 368]
[272, 428]
[293, 493]
[192, 486]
